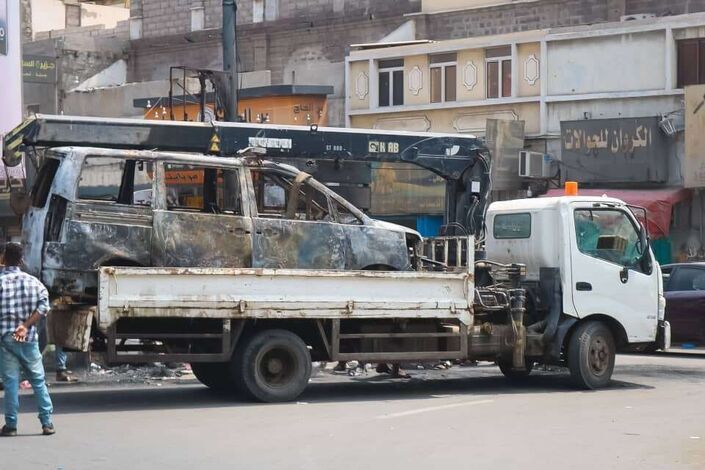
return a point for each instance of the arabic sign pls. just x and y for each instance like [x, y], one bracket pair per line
[693, 167]
[3, 27]
[38, 69]
[614, 150]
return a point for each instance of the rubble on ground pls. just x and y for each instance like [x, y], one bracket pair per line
[132, 374]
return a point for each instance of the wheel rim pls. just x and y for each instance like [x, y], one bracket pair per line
[599, 356]
[276, 367]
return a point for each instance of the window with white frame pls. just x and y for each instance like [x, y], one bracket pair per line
[391, 82]
[444, 75]
[264, 10]
[498, 62]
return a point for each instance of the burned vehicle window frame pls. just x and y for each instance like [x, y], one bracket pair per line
[306, 186]
[216, 189]
[45, 178]
[126, 189]
[306, 196]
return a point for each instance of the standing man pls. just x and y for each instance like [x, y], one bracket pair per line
[23, 302]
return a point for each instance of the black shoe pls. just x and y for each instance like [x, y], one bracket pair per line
[48, 430]
[8, 431]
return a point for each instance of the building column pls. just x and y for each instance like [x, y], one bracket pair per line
[616, 9]
[136, 19]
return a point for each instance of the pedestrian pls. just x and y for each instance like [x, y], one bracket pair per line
[23, 302]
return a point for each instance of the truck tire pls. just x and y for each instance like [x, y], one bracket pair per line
[513, 374]
[591, 353]
[272, 366]
[214, 375]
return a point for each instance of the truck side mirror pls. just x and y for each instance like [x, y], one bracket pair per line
[645, 261]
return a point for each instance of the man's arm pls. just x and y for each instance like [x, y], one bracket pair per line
[21, 331]
[40, 310]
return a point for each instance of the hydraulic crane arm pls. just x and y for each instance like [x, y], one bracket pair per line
[462, 161]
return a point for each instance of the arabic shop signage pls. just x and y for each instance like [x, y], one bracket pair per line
[3, 27]
[629, 150]
[38, 69]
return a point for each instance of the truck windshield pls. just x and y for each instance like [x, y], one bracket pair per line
[607, 234]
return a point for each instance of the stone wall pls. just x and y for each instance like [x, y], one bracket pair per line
[543, 14]
[78, 57]
[664, 7]
[307, 44]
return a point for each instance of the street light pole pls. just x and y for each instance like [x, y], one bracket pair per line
[230, 58]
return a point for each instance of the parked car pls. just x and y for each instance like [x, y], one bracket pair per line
[684, 286]
[97, 207]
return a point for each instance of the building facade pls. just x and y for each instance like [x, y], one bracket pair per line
[604, 103]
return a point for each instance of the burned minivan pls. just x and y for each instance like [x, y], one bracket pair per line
[95, 207]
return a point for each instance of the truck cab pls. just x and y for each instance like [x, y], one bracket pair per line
[599, 249]
[93, 207]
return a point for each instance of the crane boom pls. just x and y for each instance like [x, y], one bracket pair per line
[461, 160]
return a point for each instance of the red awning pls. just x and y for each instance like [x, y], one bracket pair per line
[658, 203]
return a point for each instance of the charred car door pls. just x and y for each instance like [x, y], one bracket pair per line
[199, 218]
[294, 227]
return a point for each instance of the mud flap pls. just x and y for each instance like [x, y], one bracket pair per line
[70, 327]
[663, 335]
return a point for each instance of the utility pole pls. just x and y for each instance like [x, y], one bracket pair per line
[230, 58]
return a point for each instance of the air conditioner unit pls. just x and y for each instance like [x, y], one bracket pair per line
[534, 165]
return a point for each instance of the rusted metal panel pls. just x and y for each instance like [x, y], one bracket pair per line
[197, 239]
[301, 244]
[137, 353]
[367, 246]
[70, 327]
[267, 293]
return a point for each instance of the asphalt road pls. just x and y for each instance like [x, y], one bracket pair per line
[652, 417]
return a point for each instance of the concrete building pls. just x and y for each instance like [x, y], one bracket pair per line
[605, 102]
[302, 42]
[66, 44]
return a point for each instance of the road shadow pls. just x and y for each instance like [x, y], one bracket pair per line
[344, 390]
[686, 354]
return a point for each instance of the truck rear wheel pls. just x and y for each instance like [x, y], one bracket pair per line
[591, 353]
[515, 375]
[214, 375]
[272, 366]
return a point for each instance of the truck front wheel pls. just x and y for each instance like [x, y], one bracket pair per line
[591, 353]
[272, 366]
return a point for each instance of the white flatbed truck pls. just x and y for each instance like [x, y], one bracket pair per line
[571, 281]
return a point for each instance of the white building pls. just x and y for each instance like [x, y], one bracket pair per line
[605, 101]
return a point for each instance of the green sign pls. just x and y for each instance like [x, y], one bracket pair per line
[38, 69]
[3, 27]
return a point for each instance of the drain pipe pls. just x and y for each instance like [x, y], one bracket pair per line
[230, 58]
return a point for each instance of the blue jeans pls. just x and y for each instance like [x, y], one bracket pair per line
[59, 354]
[17, 357]
[59, 358]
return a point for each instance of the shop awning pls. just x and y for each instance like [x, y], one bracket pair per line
[658, 203]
